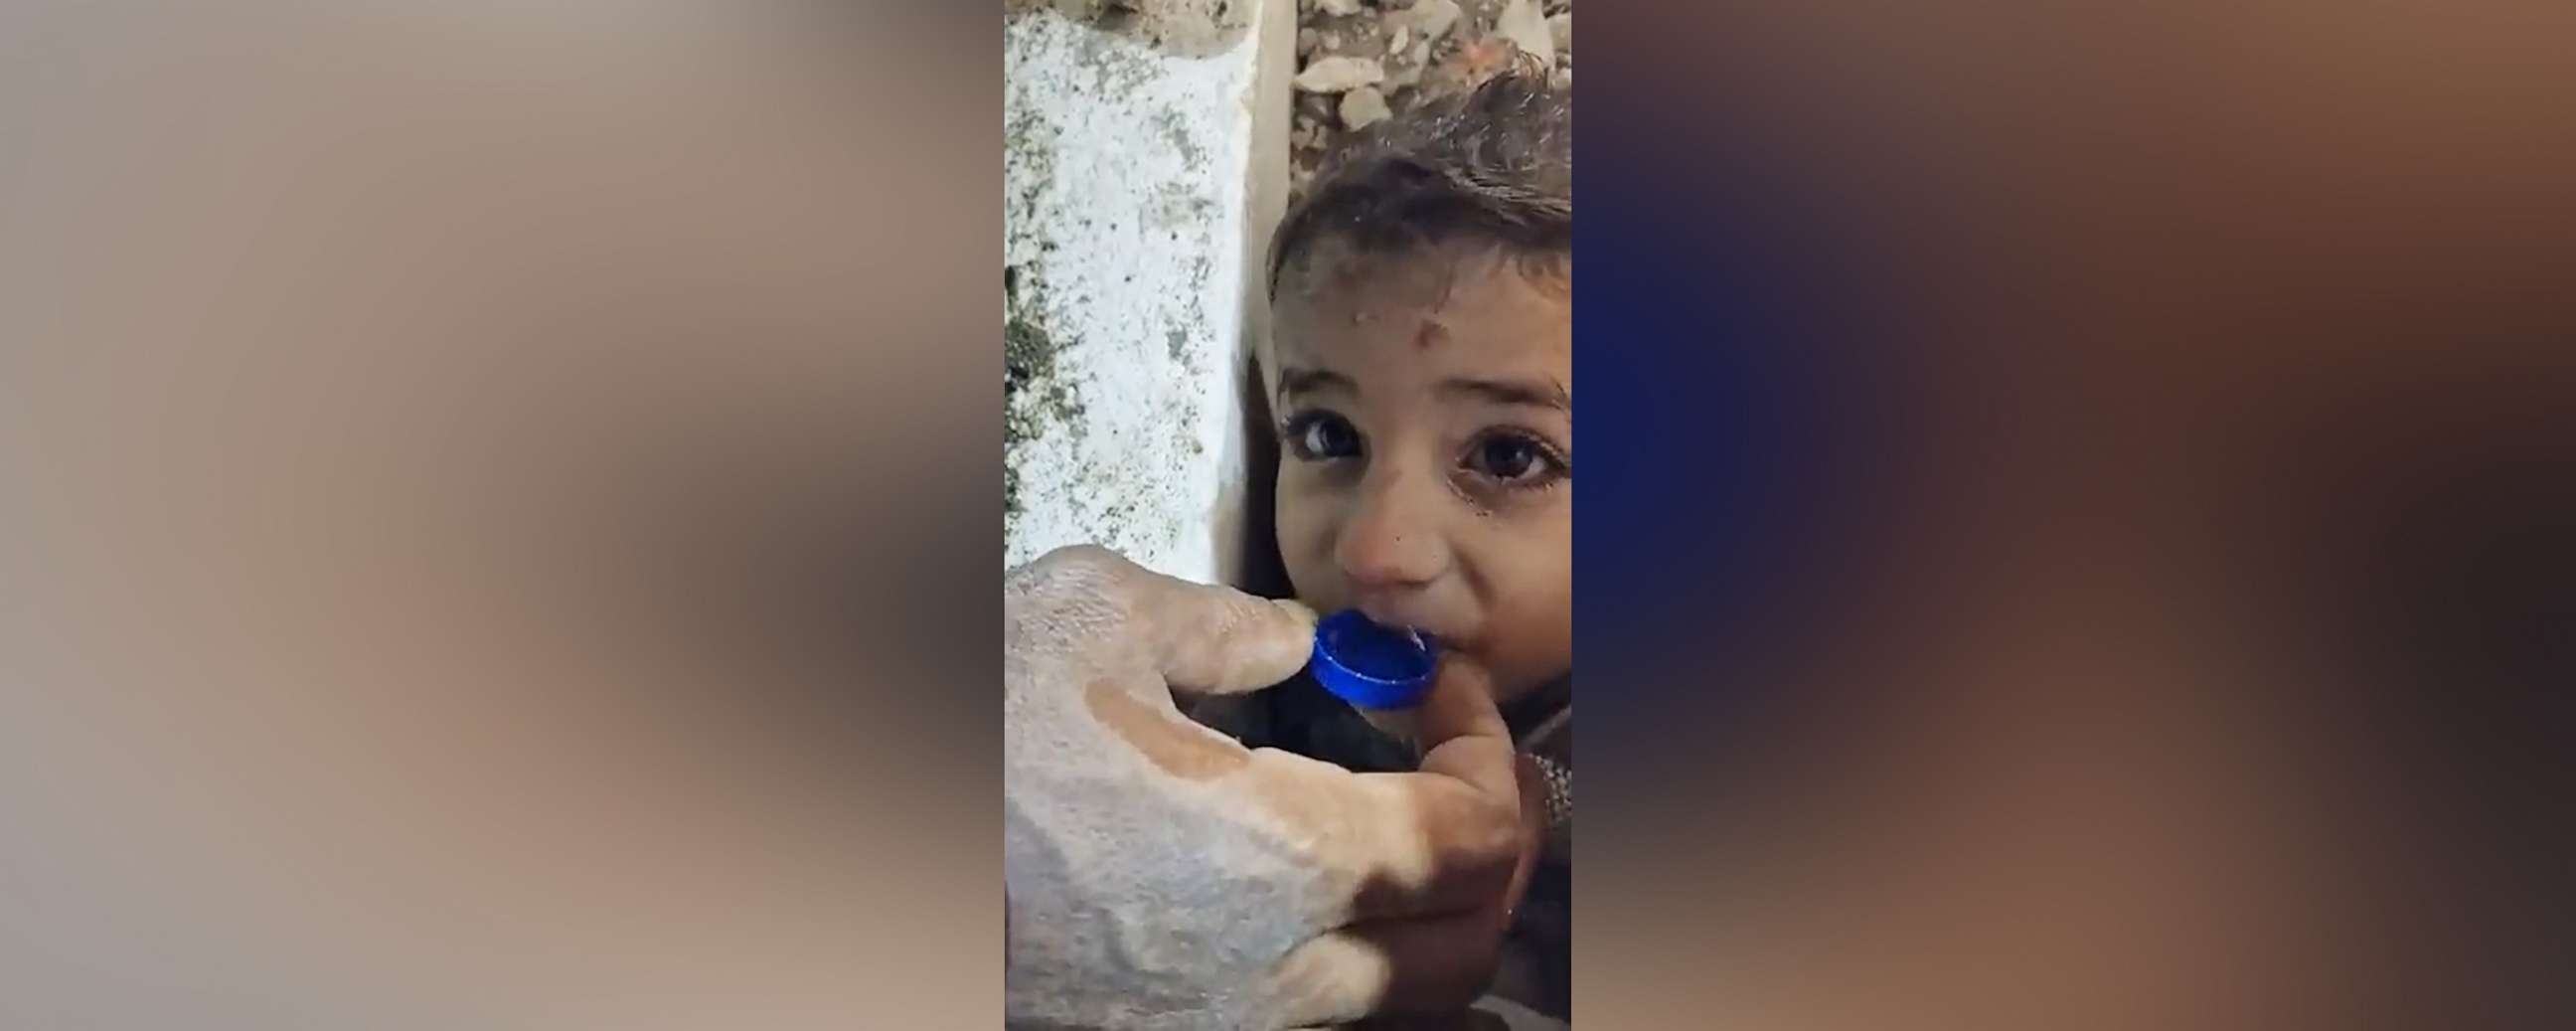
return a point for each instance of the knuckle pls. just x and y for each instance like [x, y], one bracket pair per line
[1072, 558]
[1080, 569]
[1069, 601]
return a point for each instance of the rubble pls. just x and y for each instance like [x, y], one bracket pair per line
[1362, 62]
[1340, 74]
[1363, 107]
[1526, 29]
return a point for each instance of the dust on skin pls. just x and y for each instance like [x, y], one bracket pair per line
[1429, 353]
[1172, 743]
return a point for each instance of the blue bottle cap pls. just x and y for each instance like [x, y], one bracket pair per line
[1372, 666]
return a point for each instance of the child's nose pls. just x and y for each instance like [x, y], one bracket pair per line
[1392, 539]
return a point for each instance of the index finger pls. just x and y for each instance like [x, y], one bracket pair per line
[1463, 735]
[1219, 640]
[1197, 637]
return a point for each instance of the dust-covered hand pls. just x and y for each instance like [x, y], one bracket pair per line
[1160, 875]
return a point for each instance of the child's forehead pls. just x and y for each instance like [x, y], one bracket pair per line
[1446, 304]
[1336, 272]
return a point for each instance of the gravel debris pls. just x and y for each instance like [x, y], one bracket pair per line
[1340, 74]
[1364, 107]
[1526, 29]
[1362, 62]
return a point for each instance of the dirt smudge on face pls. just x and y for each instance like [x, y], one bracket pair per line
[1430, 335]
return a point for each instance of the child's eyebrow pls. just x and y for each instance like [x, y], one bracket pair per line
[1548, 394]
[1298, 381]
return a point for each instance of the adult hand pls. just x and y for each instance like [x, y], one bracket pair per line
[1160, 875]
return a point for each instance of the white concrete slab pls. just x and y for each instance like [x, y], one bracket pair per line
[1144, 168]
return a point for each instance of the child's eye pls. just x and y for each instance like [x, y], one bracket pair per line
[1321, 436]
[1515, 459]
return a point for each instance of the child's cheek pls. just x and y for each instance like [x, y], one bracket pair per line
[1306, 530]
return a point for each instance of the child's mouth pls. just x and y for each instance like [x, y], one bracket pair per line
[1398, 619]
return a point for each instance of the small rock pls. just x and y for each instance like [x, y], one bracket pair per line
[1430, 19]
[1333, 41]
[1340, 75]
[1307, 40]
[1340, 8]
[1561, 29]
[1363, 107]
[1561, 80]
[1395, 43]
[1521, 23]
[1407, 68]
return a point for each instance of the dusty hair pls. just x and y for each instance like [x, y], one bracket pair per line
[1496, 163]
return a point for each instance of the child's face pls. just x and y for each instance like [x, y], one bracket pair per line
[1425, 406]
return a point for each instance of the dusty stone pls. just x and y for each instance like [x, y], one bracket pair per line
[1560, 28]
[1522, 24]
[1364, 107]
[1139, 185]
[1340, 75]
[1395, 41]
[1307, 41]
[1561, 79]
[1430, 18]
[1340, 8]
[1405, 77]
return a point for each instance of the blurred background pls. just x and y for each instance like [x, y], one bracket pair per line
[499, 507]
[2094, 495]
